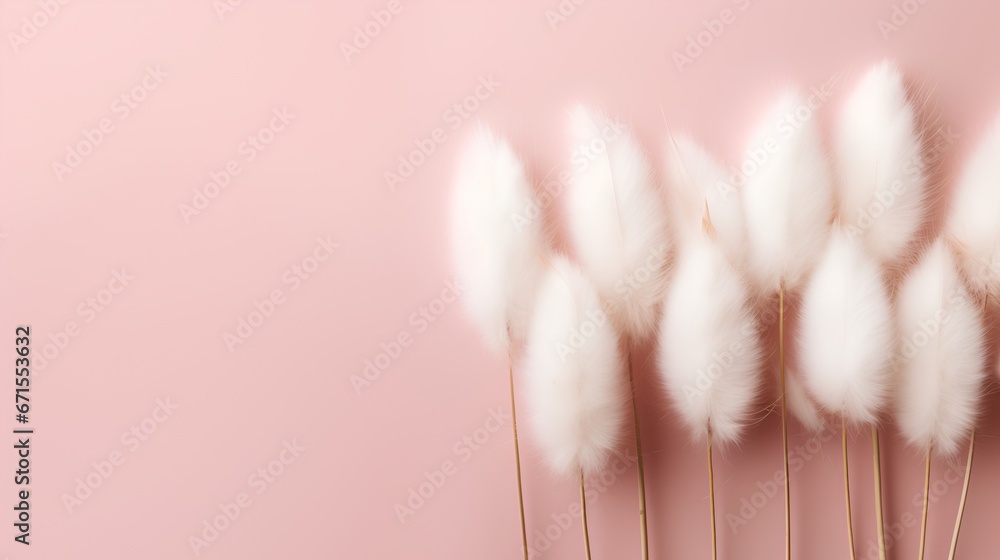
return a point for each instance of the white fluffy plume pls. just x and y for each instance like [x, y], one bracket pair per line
[617, 220]
[788, 197]
[698, 182]
[974, 221]
[943, 355]
[880, 164]
[709, 351]
[496, 260]
[577, 395]
[800, 404]
[847, 332]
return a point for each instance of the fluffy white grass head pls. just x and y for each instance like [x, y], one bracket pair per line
[847, 333]
[801, 405]
[973, 225]
[617, 220]
[880, 166]
[788, 195]
[576, 391]
[701, 188]
[710, 351]
[943, 355]
[497, 261]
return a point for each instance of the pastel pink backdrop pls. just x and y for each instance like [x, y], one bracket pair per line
[162, 336]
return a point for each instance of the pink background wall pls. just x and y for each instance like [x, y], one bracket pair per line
[197, 84]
